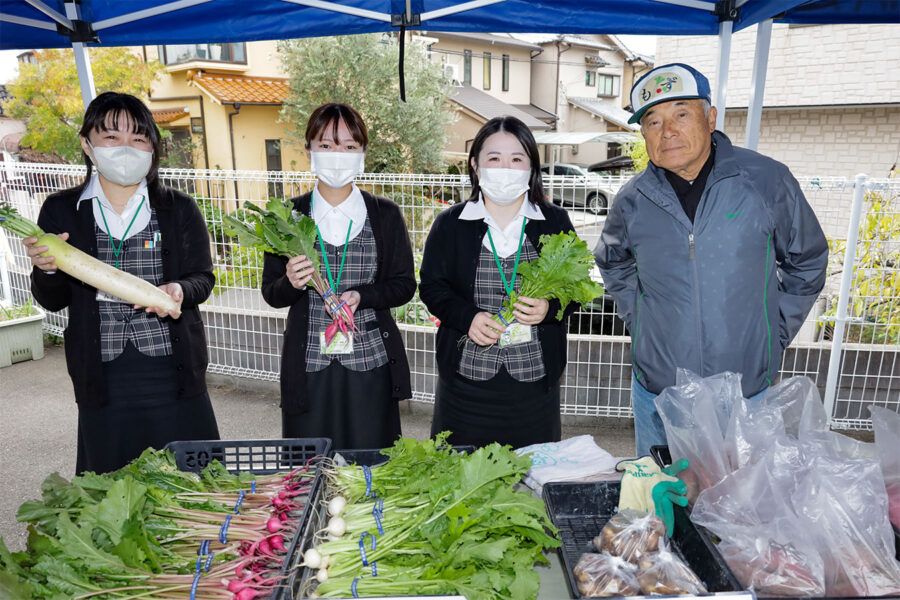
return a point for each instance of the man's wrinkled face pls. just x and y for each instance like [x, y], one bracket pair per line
[677, 134]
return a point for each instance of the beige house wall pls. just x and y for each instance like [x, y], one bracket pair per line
[835, 142]
[461, 132]
[814, 65]
[582, 120]
[450, 51]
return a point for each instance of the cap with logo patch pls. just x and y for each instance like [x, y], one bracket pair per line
[669, 82]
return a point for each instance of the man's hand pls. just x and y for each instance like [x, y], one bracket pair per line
[647, 488]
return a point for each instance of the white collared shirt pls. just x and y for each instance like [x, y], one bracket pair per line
[118, 223]
[506, 240]
[333, 221]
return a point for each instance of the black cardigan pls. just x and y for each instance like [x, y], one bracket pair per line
[186, 260]
[447, 286]
[394, 285]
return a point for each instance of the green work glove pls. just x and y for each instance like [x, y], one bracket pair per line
[648, 488]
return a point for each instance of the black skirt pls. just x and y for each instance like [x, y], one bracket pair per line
[353, 408]
[501, 409]
[142, 411]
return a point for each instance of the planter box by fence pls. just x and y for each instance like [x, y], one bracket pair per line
[22, 339]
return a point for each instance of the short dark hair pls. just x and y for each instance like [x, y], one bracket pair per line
[523, 134]
[108, 108]
[332, 114]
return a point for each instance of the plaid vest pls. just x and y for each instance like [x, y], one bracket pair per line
[359, 268]
[524, 362]
[120, 323]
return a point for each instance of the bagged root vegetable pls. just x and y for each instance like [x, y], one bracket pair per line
[843, 504]
[601, 575]
[630, 534]
[887, 445]
[695, 412]
[664, 573]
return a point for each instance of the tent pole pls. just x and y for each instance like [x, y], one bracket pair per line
[82, 61]
[725, 29]
[758, 83]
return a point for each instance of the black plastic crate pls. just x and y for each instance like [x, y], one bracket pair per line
[580, 510]
[261, 457]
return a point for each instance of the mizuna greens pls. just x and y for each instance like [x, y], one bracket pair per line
[146, 530]
[432, 521]
[561, 272]
[88, 269]
[278, 229]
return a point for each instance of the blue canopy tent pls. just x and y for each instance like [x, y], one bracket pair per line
[64, 23]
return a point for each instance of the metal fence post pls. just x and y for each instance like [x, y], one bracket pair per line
[840, 319]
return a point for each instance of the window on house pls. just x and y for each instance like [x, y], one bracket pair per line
[467, 67]
[178, 149]
[486, 83]
[182, 53]
[273, 163]
[506, 72]
[607, 85]
[613, 150]
[590, 78]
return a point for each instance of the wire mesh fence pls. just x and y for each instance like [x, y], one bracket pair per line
[245, 334]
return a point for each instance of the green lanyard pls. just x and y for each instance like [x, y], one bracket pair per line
[334, 283]
[118, 249]
[511, 284]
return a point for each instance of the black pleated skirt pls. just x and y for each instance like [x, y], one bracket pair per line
[501, 409]
[353, 408]
[143, 411]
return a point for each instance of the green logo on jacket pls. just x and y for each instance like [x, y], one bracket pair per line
[734, 214]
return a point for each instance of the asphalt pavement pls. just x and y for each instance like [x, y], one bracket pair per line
[38, 421]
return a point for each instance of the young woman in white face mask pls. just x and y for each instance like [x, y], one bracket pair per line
[347, 392]
[139, 373]
[496, 383]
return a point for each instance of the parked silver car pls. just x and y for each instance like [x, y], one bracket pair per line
[579, 189]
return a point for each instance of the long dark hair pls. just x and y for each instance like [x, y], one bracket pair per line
[523, 134]
[109, 107]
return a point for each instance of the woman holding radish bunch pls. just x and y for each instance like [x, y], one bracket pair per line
[498, 382]
[337, 381]
[138, 371]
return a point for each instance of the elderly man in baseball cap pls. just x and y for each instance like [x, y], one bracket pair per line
[712, 253]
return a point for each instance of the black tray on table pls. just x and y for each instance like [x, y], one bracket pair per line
[368, 458]
[663, 458]
[580, 510]
[261, 457]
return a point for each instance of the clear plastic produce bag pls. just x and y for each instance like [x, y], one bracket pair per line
[696, 412]
[762, 541]
[887, 446]
[600, 575]
[664, 573]
[630, 534]
[843, 504]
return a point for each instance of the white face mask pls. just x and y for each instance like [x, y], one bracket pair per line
[503, 186]
[337, 169]
[124, 165]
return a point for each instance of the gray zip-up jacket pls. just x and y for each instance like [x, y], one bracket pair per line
[727, 292]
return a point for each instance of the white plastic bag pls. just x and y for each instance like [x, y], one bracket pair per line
[574, 458]
[887, 444]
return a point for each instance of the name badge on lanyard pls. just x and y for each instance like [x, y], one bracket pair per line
[515, 332]
[341, 341]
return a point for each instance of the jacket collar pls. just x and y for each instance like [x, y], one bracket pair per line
[654, 185]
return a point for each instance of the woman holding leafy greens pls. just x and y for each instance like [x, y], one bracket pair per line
[337, 384]
[499, 377]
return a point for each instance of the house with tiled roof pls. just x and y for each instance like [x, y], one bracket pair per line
[225, 100]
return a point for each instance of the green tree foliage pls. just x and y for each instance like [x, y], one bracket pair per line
[46, 94]
[875, 287]
[638, 153]
[361, 70]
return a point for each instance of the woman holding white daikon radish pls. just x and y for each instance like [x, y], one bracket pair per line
[138, 366]
[498, 379]
[337, 381]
